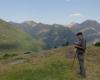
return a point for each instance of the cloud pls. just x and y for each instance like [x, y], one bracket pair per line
[67, 0]
[76, 15]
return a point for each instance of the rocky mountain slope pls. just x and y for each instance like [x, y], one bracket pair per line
[90, 28]
[53, 35]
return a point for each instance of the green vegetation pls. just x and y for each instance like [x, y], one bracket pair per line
[52, 65]
[21, 58]
[97, 44]
[15, 41]
[6, 56]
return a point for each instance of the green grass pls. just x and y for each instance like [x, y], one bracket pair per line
[6, 56]
[47, 69]
[53, 65]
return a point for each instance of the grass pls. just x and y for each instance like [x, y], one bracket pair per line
[52, 65]
[6, 56]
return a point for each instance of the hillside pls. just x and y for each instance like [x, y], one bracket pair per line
[51, 65]
[56, 33]
[52, 35]
[14, 40]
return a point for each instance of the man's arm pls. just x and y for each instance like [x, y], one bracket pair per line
[77, 46]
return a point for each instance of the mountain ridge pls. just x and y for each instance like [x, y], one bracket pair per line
[90, 28]
[13, 38]
[54, 35]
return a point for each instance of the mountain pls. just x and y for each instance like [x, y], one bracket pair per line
[56, 35]
[15, 40]
[53, 35]
[59, 35]
[90, 28]
[31, 23]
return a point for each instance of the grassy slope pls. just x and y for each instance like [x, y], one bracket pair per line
[13, 39]
[53, 65]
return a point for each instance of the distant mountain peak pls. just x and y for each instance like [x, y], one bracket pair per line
[90, 22]
[72, 24]
[31, 23]
[57, 25]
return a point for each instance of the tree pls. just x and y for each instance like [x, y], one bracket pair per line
[66, 44]
[97, 44]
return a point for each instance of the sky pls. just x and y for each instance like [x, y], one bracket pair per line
[50, 11]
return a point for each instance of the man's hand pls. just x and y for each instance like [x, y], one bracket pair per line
[76, 46]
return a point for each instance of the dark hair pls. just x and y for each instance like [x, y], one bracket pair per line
[79, 33]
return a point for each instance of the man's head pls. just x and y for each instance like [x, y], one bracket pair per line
[79, 35]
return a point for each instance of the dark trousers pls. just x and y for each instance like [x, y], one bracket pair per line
[80, 56]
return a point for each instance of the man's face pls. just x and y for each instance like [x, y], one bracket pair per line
[79, 36]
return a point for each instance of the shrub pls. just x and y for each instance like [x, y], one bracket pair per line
[97, 44]
[5, 56]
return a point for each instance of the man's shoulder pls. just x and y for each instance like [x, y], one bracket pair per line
[84, 39]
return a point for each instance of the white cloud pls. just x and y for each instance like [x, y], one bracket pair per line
[67, 0]
[76, 15]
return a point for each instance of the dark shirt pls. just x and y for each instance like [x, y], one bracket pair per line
[82, 44]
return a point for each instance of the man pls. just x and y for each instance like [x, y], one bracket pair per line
[80, 46]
